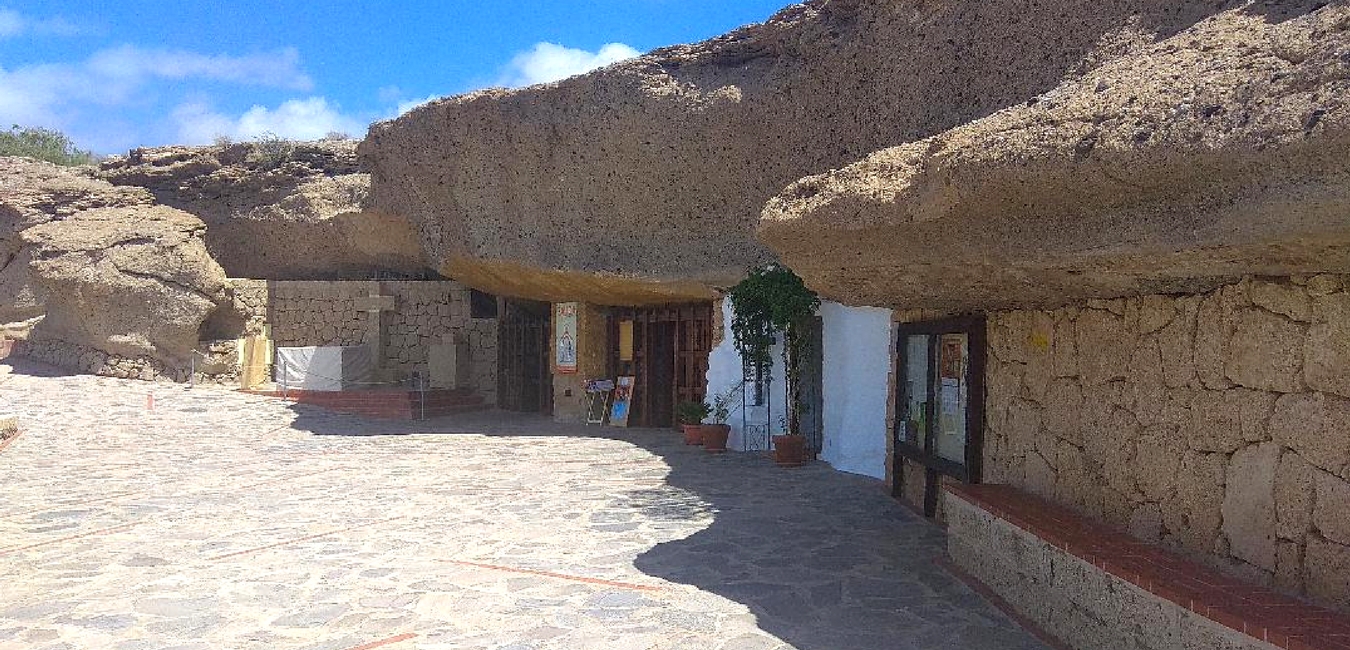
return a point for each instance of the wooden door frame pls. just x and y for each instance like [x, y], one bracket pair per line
[934, 466]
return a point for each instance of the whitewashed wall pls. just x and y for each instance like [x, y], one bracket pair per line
[858, 355]
[858, 352]
[724, 373]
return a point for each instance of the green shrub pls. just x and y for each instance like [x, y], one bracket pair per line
[271, 150]
[43, 144]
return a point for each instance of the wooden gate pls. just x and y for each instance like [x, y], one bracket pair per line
[671, 345]
[524, 379]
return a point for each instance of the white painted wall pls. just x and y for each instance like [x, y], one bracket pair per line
[724, 373]
[858, 353]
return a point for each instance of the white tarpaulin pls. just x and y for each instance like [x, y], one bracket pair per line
[325, 368]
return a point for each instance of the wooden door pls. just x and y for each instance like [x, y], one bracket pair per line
[671, 345]
[524, 378]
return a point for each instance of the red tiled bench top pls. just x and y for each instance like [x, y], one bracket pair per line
[1257, 611]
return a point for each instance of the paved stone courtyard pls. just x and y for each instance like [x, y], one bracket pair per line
[218, 520]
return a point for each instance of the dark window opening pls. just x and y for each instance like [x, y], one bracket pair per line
[482, 304]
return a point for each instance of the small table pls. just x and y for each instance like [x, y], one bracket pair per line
[598, 392]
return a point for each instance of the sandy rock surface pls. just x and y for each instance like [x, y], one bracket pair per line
[33, 192]
[277, 210]
[656, 170]
[131, 281]
[1195, 157]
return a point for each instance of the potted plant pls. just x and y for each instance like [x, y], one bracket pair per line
[774, 299]
[691, 416]
[715, 435]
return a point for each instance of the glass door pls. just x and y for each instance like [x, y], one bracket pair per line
[940, 414]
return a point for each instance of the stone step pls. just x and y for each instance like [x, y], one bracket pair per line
[387, 403]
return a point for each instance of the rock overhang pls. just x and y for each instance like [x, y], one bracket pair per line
[1215, 153]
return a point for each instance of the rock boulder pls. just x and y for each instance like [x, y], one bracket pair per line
[277, 210]
[644, 181]
[134, 282]
[33, 192]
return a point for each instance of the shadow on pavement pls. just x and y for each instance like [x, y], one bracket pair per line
[825, 560]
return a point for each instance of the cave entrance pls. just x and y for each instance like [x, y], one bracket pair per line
[524, 378]
[665, 349]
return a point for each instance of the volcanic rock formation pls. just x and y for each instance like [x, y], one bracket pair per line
[132, 282]
[1193, 159]
[645, 181]
[33, 193]
[277, 210]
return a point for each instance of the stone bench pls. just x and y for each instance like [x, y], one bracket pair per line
[1097, 588]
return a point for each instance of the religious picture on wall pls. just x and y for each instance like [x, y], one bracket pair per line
[622, 404]
[565, 337]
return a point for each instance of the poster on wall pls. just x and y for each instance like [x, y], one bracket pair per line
[565, 337]
[622, 402]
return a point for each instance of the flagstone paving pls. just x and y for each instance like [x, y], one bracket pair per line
[220, 520]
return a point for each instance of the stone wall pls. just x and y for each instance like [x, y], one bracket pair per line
[1215, 424]
[319, 313]
[431, 313]
[1078, 603]
[323, 313]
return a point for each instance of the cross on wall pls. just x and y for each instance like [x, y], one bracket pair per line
[375, 305]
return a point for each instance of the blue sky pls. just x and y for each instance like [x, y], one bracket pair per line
[116, 75]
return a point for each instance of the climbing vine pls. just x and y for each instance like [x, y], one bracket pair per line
[773, 299]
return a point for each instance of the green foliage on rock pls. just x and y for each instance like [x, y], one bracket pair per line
[43, 144]
[772, 299]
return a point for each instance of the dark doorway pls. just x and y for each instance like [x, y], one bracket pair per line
[811, 387]
[524, 380]
[669, 360]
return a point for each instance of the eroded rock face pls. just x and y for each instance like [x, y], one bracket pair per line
[132, 282]
[277, 210]
[33, 192]
[1176, 158]
[654, 171]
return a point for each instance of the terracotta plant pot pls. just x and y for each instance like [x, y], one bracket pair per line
[789, 451]
[693, 434]
[715, 437]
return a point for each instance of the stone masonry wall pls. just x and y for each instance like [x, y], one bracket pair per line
[1215, 424]
[305, 313]
[1082, 605]
[318, 313]
[429, 313]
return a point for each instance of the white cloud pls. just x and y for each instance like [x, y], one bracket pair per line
[13, 24]
[57, 95]
[278, 69]
[296, 119]
[408, 105]
[547, 62]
